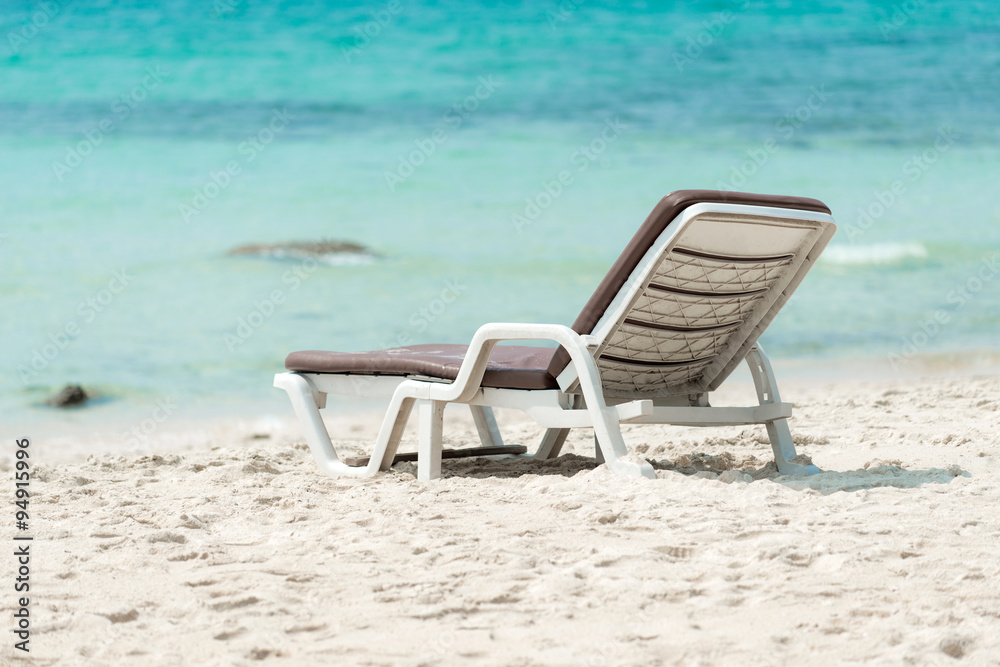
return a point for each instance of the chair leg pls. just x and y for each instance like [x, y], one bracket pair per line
[552, 443]
[391, 432]
[429, 440]
[486, 424]
[784, 449]
[777, 431]
[611, 444]
[307, 401]
[598, 454]
[604, 419]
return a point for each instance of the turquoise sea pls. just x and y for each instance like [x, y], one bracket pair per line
[140, 141]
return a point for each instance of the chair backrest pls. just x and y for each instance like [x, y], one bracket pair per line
[694, 289]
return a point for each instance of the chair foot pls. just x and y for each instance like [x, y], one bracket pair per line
[784, 449]
[629, 469]
[552, 443]
[797, 469]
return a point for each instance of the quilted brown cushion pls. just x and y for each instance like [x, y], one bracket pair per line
[510, 366]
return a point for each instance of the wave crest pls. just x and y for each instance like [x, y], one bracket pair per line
[876, 253]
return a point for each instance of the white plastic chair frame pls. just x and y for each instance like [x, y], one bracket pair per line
[580, 401]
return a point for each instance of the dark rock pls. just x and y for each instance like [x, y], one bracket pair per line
[302, 250]
[72, 394]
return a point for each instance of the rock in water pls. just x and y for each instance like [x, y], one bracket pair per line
[72, 394]
[302, 250]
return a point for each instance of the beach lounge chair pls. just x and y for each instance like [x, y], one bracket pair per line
[683, 306]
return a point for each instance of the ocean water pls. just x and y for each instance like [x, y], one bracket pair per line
[141, 141]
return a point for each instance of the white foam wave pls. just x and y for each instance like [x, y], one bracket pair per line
[347, 259]
[876, 253]
[330, 259]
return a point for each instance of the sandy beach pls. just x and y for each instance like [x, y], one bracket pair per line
[196, 190]
[229, 547]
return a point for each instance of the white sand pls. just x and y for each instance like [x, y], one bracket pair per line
[243, 553]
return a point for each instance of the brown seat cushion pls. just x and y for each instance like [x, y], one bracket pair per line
[510, 366]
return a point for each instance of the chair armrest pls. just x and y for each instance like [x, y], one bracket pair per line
[470, 374]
